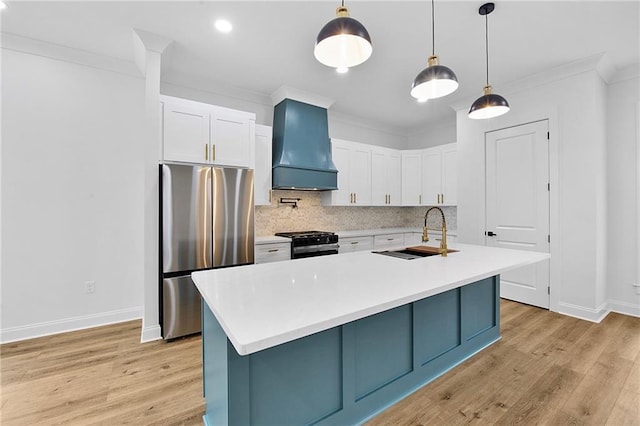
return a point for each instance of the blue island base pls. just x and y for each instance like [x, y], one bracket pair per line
[348, 374]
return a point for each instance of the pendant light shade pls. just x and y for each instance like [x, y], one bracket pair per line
[436, 80]
[343, 42]
[488, 105]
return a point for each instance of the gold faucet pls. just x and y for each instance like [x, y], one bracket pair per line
[425, 235]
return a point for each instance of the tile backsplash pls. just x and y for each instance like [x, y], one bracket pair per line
[312, 215]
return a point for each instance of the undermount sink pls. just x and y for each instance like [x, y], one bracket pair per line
[411, 253]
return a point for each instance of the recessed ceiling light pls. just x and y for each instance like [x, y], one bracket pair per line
[342, 70]
[223, 26]
[2, 5]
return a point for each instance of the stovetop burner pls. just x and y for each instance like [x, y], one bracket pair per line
[304, 234]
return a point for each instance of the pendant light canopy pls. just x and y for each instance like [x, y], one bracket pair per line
[488, 105]
[343, 42]
[436, 80]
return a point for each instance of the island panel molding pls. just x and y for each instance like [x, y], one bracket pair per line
[348, 373]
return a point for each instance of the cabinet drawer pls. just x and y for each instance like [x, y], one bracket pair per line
[272, 252]
[351, 244]
[388, 240]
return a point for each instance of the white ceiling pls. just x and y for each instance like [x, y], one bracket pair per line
[272, 44]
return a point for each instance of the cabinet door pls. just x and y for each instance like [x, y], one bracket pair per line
[360, 174]
[340, 154]
[411, 178]
[394, 178]
[231, 137]
[186, 132]
[379, 181]
[262, 173]
[450, 175]
[388, 240]
[431, 176]
[272, 252]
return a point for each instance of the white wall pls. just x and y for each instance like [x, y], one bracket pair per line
[71, 195]
[434, 135]
[622, 165]
[578, 176]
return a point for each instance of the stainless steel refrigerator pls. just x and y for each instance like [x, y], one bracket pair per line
[206, 221]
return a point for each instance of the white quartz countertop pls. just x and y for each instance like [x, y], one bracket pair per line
[261, 306]
[384, 231]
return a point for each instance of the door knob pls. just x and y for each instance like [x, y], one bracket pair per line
[491, 234]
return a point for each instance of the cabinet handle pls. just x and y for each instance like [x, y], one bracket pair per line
[270, 195]
[206, 152]
[273, 250]
[442, 198]
[213, 152]
[420, 199]
[355, 198]
[354, 242]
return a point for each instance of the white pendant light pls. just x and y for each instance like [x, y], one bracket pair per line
[436, 80]
[490, 104]
[343, 42]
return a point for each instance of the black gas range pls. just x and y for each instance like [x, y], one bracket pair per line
[311, 243]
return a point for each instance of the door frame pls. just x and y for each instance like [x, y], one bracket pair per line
[549, 113]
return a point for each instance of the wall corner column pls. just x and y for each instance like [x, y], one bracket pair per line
[148, 50]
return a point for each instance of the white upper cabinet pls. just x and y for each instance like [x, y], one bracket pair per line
[429, 176]
[412, 178]
[386, 171]
[262, 173]
[450, 174]
[353, 161]
[186, 131]
[231, 137]
[195, 132]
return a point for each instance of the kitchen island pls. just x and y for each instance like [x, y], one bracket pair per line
[337, 339]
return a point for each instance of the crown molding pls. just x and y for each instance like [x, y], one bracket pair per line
[62, 53]
[627, 73]
[599, 63]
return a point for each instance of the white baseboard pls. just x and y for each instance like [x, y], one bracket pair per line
[624, 308]
[13, 334]
[588, 314]
[150, 333]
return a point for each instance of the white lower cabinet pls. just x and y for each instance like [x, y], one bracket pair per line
[351, 244]
[272, 252]
[412, 238]
[388, 240]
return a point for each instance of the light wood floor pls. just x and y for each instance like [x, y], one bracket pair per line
[547, 369]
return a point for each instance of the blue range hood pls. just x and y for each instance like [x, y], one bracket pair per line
[301, 148]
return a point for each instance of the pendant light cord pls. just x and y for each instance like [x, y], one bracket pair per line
[433, 29]
[486, 42]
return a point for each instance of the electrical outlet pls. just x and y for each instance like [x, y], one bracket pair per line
[90, 287]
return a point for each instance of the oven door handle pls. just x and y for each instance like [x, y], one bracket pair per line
[315, 247]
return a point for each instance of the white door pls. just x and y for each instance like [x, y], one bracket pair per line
[517, 202]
